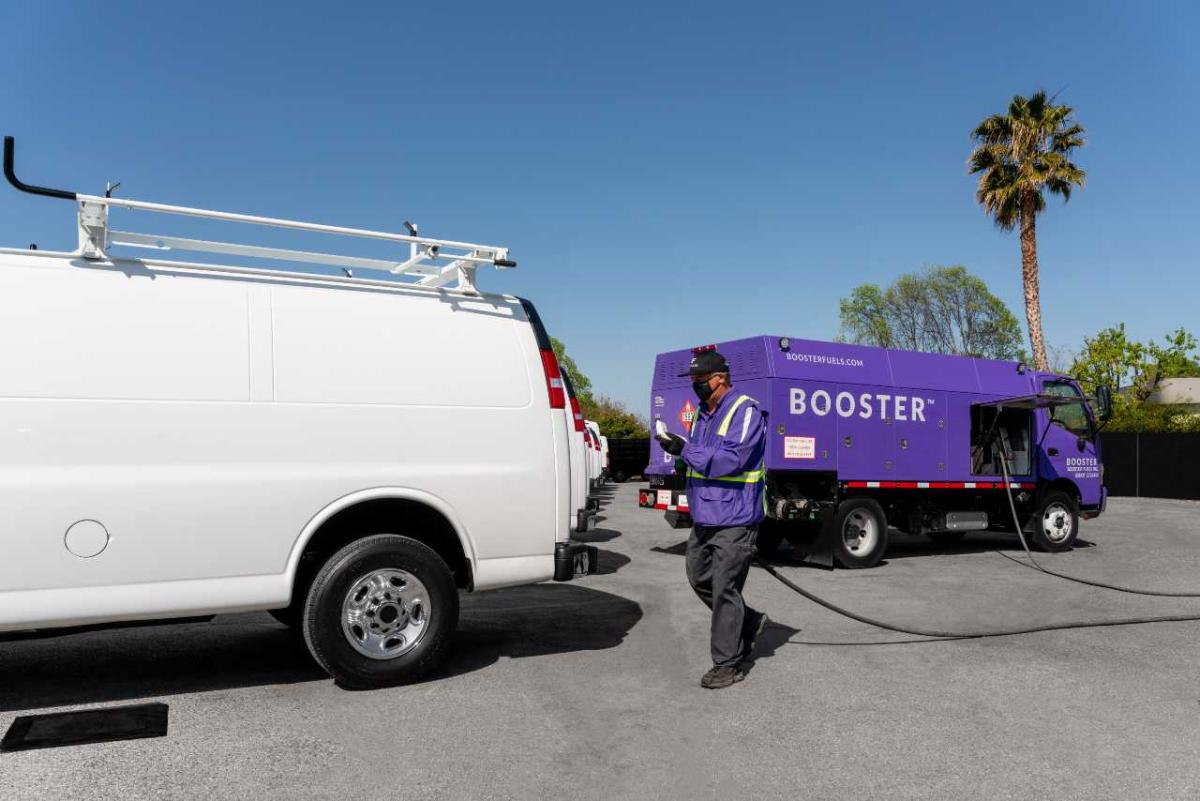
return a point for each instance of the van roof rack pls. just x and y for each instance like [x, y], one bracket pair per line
[431, 263]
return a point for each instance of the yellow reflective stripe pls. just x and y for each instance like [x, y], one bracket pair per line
[724, 429]
[743, 478]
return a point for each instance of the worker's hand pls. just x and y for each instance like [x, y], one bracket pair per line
[671, 443]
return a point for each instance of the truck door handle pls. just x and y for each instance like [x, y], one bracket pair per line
[1052, 451]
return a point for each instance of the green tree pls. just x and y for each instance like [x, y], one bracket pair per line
[1133, 370]
[614, 419]
[938, 310]
[616, 422]
[1019, 156]
[581, 383]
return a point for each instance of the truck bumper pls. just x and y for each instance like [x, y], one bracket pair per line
[573, 559]
[1094, 512]
[673, 502]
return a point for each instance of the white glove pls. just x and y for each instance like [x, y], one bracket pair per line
[671, 443]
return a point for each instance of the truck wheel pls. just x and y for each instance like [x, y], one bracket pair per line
[382, 610]
[768, 539]
[860, 533]
[1056, 522]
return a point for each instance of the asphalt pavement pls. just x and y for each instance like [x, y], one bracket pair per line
[590, 689]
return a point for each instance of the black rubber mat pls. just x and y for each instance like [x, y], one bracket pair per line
[89, 726]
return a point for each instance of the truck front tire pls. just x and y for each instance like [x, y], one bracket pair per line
[860, 534]
[382, 610]
[1055, 524]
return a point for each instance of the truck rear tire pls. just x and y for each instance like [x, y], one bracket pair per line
[1055, 524]
[860, 533]
[382, 610]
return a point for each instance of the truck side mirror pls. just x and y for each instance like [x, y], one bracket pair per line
[1104, 403]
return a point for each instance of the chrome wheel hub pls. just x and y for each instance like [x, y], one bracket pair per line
[860, 532]
[1056, 522]
[385, 613]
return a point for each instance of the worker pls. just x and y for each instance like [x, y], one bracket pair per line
[723, 457]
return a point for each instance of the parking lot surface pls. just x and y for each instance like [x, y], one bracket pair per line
[590, 689]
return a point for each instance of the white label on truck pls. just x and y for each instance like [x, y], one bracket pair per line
[682, 501]
[664, 497]
[864, 405]
[799, 448]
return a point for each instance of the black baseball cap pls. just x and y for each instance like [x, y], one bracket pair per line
[706, 362]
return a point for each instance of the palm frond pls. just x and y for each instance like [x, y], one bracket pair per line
[1022, 153]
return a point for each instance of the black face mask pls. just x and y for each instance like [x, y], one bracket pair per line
[703, 390]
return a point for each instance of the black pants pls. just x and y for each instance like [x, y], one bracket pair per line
[718, 560]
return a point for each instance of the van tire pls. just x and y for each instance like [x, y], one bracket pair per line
[377, 565]
[862, 519]
[1049, 523]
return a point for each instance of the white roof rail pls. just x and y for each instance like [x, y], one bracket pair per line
[431, 263]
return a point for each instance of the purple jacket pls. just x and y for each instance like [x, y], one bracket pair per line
[724, 457]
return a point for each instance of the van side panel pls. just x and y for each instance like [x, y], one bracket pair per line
[126, 398]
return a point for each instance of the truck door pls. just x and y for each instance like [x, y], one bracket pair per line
[1068, 441]
[919, 422]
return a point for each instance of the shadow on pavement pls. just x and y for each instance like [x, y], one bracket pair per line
[904, 546]
[610, 562]
[773, 637]
[252, 650]
[678, 549]
[122, 664]
[596, 535]
[536, 621]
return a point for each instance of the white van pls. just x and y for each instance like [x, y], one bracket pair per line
[584, 510]
[183, 439]
[604, 466]
[594, 467]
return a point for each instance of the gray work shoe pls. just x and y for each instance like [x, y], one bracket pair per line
[757, 629]
[720, 677]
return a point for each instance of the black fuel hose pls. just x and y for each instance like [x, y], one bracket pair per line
[1034, 564]
[975, 635]
[969, 635]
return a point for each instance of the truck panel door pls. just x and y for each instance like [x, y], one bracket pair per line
[866, 442]
[919, 427]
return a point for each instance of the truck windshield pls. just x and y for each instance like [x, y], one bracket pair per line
[1071, 416]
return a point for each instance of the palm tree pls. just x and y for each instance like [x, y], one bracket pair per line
[1018, 155]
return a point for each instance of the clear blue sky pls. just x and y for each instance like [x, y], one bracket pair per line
[667, 175]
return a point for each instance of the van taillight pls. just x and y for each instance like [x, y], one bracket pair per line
[575, 410]
[554, 383]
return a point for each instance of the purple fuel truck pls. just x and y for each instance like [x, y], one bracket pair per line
[863, 438]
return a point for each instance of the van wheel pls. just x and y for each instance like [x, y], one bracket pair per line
[382, 610]
[1055, 525]
[860, 533]
[619, 477]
